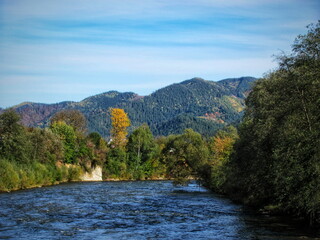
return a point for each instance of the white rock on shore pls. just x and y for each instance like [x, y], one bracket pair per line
[95, 175]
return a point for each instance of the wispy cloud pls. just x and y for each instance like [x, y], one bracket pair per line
[63, 50]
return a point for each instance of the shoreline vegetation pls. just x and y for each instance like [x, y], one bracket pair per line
[80, 181]
[269, 161]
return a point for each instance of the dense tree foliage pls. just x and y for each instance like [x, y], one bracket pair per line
[13, 138]
[116, 164]
[221, 146]
[98, 147]
[178, 124]
[277, 156]
[142, 152]
[185, 155]
[47, 146]
[68, 138]
[29, 156]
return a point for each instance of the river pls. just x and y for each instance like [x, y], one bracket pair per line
[134, 210]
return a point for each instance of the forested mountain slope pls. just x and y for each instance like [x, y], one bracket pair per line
[202, 105]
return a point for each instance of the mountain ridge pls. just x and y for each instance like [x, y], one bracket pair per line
[191, 103]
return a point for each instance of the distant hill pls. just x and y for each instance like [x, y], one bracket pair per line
[202, 105]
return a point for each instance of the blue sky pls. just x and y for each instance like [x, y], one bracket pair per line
[51, 51]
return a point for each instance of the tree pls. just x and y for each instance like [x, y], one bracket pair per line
[221, 146]
[141, 150]
[277, 155]
[47, 146]
[95, 138]
[68, 137]
[116, 163]
[98, 148]
[72, 118]
[120, 122]
[14, 144]
[116, 159]
[185, 155]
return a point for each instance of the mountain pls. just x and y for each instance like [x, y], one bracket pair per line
[202, 105]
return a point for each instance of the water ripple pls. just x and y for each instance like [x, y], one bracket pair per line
[131, 210]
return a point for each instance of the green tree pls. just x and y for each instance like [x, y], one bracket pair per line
[142, 151]
[68, 138]
[185, 155]
[116, 164]
[95, 138]
[46, 146]
[277, 160]
[14, 143]
[221, 148]
[98, 147]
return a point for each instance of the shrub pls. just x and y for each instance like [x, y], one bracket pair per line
[9, 177]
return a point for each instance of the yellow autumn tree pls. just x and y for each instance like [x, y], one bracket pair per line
[120, 122]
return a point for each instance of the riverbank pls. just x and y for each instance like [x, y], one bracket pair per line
[14, 177]
[280, 211]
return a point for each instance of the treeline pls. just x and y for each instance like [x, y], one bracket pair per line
[64, 151]
[277, 157]
[35, 157]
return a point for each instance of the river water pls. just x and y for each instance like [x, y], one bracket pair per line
[133, 210]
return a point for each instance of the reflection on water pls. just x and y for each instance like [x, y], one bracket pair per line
[132, 210]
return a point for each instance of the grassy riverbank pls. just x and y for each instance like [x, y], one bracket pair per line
[14, 176]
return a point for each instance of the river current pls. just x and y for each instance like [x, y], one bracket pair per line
[134, 210]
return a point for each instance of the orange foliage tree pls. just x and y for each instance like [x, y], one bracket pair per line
[120, 122]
